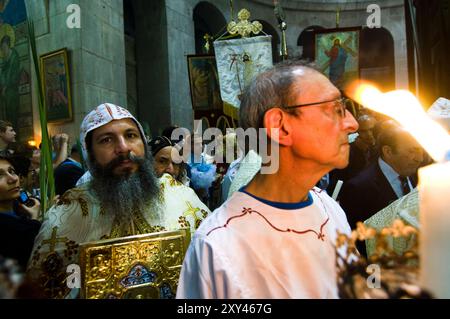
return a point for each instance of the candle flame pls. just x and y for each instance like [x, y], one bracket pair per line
[404, 107]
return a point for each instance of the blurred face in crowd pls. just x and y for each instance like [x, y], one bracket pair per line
[405, 157]
[365, 131]
[36, 158]
[322, 134]
[9, 182]
[114, 143]
[9, 136]
[164, 162]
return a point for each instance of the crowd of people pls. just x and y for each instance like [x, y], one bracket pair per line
[117, 182]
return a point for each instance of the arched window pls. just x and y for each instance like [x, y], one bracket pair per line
[376, 57]
[207, 20]
[306, 40]
[129, 20]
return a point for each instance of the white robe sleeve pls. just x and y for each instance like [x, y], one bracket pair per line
[206, 273]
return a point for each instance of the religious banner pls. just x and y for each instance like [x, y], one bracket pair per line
[238, 62]
[337, 55]
[15, 80]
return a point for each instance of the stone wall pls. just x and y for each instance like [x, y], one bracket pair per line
[299, 16]
[96, 54]
[302, 14]
[164, 37]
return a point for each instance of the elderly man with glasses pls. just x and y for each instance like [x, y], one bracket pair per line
[275, 238]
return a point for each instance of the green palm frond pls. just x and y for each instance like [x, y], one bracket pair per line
[46, 177]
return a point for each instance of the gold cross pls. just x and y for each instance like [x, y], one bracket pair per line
[52, 241]
[244, 27]
[207, 39]
[191, 211]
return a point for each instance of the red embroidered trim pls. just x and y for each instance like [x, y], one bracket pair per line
[228, 221]
[246, 211]
[109, 110]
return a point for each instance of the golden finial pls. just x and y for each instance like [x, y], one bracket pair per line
[244, 27]
[338, 17]
[207, 45]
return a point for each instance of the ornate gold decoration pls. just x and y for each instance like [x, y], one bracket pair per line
[338, 17]
[84, 206]
[142, 226]
[137, 267]
[121, 228]
[184, 222]
[172, 181]
[244, 27]
[191, 211]
[162, 189]
[64, 199]
[74, 194]
[207, 45]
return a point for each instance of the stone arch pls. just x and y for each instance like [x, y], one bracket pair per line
[207, 19]
[377, 59]
[270, 30]
[128, 18]
[306, 40]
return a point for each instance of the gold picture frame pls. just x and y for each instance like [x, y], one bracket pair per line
[137, 267]
[56, 82]
[204, 83]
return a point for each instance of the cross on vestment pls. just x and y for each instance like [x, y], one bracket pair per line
[191, 211]
[53, 240]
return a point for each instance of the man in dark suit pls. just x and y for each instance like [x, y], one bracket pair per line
[362, 153]
[392, 176]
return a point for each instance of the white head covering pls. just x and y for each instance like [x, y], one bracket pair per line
[102, 115]
[440, 112]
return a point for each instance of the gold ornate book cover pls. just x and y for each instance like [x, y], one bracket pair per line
[136, 267]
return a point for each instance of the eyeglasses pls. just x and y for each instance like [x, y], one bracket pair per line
[339, 105]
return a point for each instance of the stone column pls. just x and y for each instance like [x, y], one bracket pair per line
[398, 31]
[96, 54]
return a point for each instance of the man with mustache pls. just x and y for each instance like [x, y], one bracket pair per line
[391, 176]
[123, 198]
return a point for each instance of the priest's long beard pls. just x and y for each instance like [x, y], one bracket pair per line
[121, 195]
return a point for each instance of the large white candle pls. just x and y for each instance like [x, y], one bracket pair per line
[434, 182]
[434, 244]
